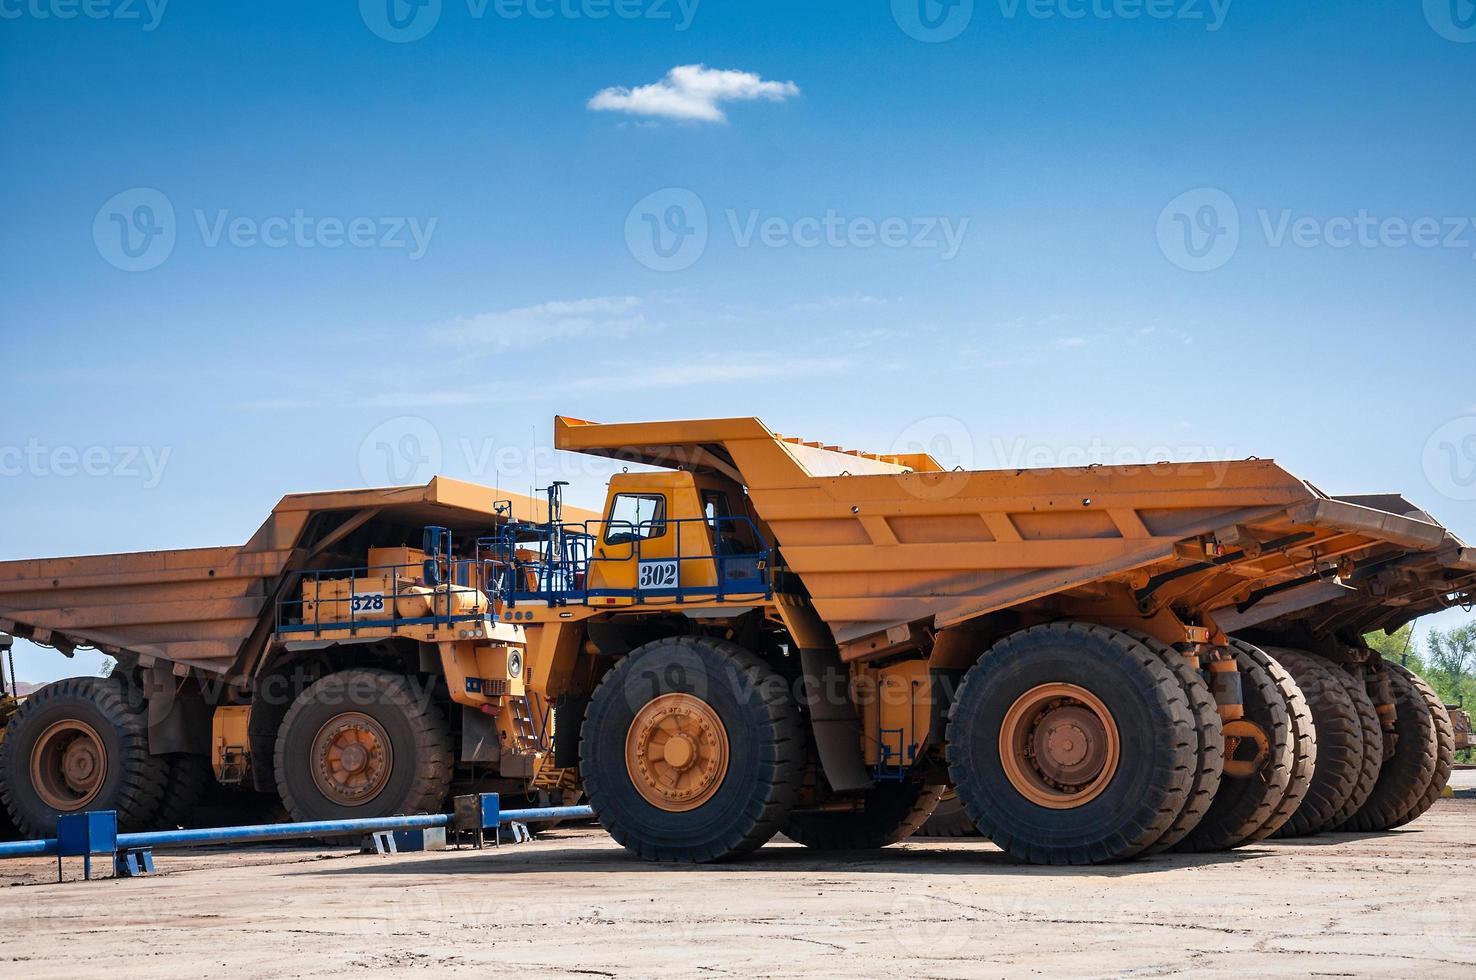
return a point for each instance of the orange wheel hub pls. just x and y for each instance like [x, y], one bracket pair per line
[68, 765]
[1059, 746]
[352, 759]
[676, 752]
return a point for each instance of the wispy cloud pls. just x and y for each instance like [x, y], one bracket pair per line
[692, 92]
[530, 326]
[675, 374]
[836, 304]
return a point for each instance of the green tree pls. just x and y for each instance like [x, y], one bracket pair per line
[1447, 660]
[1398, 646]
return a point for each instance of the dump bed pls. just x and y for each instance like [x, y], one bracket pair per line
[213, 608]
[1399, 587]
[883, 540]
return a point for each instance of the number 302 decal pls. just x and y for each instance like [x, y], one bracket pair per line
[657, 575]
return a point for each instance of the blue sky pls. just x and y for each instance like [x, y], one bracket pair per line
[1208, 229]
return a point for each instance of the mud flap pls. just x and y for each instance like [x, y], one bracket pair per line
[834, 724]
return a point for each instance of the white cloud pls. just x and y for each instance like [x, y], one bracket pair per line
[530, 326]
[692, 92]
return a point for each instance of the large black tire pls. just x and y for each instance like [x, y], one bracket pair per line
[1407, 773]
[1444, 748]
[133, 780]
[1155, 729]
[948, 819]
[765, 755]
[1210, 764]
[1243, 804]
[419, 762]
[1303, 739]
[1372, 733]
[1339, 742]
[890, 812]
[190, 776]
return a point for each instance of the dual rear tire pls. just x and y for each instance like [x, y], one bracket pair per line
[1072, 743]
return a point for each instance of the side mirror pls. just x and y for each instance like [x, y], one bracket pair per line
[431, 572]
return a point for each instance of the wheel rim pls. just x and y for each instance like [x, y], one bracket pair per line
[1247, 748]
[352, 759]
[1059, 746]
[676, 752]
[68, 765]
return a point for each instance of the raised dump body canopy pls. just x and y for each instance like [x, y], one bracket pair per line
[1384, 594]
[213, 608]
[881, 541]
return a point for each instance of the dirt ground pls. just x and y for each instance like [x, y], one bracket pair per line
[572, 903]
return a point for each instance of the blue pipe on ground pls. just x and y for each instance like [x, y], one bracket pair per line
[287, 831]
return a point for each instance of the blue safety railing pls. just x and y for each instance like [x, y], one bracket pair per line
[566, 556]
[549, 562]
[377, 596]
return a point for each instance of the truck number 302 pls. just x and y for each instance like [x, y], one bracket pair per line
[657, 575]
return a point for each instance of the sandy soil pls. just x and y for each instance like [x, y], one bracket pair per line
[572, 903]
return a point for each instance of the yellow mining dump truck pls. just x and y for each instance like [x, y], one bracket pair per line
[1385, 742]
[207, 687]
[771, 635]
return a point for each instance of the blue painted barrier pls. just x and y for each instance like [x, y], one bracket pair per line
[287, 831]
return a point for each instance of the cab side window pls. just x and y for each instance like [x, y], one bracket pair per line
[636, 516]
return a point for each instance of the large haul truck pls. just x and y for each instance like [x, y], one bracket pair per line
[207, 688]
[767, 635]
[1385, 741]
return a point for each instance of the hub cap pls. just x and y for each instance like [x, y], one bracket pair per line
[352, 759]
[68, 765]
[1059, 746]
[676, 752]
